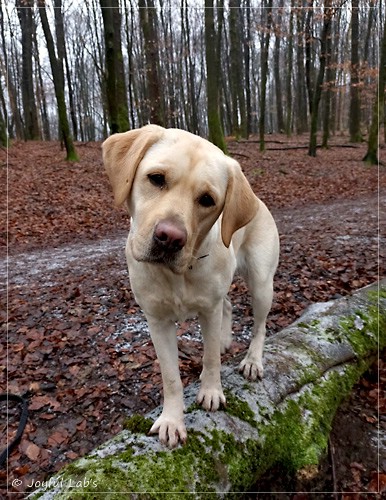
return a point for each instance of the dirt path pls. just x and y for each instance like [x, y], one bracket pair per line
[348, 222]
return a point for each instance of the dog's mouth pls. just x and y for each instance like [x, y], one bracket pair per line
[173, 261]
[167, 247]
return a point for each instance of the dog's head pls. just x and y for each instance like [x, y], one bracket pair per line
[175, 185]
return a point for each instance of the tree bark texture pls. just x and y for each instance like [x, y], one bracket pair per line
[115, 78]
[288, 118]
[58, 78]
[277, 67]
[371, 156]
[63, 60]
[148, 19]
[355, 100]
[267, 6]
[301, 91]
[317, 94]
[282, 420]
[216, 134]
[329, 83]
[31, 127]
[239, 115]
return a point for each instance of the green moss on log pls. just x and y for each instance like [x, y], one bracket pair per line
[239, 408]
[138, 424]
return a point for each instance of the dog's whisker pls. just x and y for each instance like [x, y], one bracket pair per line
[200, 257]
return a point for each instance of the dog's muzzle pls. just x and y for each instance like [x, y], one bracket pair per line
[169, 238]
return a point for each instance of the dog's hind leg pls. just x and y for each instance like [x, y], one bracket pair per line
[226, 325]
[262, 292]
[211, 395]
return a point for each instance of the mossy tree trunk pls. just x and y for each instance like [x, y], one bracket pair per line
[58, 78]
[212, 55]
[371, 156]
[63, 60]
[317, 94]
[328, 116]
[116, 97]
[283, 420]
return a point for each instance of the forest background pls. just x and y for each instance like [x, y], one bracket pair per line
[82, 70]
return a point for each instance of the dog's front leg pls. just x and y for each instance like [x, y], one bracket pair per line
[211, 394]
[170, 424]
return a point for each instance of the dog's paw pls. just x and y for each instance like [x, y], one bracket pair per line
[171, 430]
[211, 398]
[251, 369]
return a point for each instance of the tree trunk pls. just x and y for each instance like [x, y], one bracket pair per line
[129, 47]
[317, 93]
[378, 108]
[25, 13]
[277, 69]
[301, 93]
[41, 95]
[329, 84]
[285, 419]
[63, 60]
[191, 108]
[309, 50]
[239, 118]
[115, 78]
[148, 19]
[355, 101]
[3, 119]
[216, 134]
[3, 130]
[288, 123]
[168, 68]
[58, 78]
[247, 72]
[267, 9]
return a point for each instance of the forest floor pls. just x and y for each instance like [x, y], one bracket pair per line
[79, 345]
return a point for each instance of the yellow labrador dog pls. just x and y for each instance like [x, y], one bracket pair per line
[194, 221]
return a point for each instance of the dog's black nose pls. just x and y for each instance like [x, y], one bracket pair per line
[170, 235]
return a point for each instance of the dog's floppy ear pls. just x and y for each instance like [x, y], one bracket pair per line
[122, 153]
[241, 203]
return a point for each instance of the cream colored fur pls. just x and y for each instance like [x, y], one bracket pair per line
[236, 231]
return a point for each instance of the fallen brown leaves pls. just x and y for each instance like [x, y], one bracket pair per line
[73, 341]
[367, 409]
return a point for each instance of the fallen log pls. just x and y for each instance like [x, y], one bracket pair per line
[285, 419]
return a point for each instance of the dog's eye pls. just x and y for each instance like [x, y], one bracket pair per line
[206, 200]
[157, 180]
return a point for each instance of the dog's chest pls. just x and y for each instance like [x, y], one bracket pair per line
[180, 300]
[175, 297]
[181, 310]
